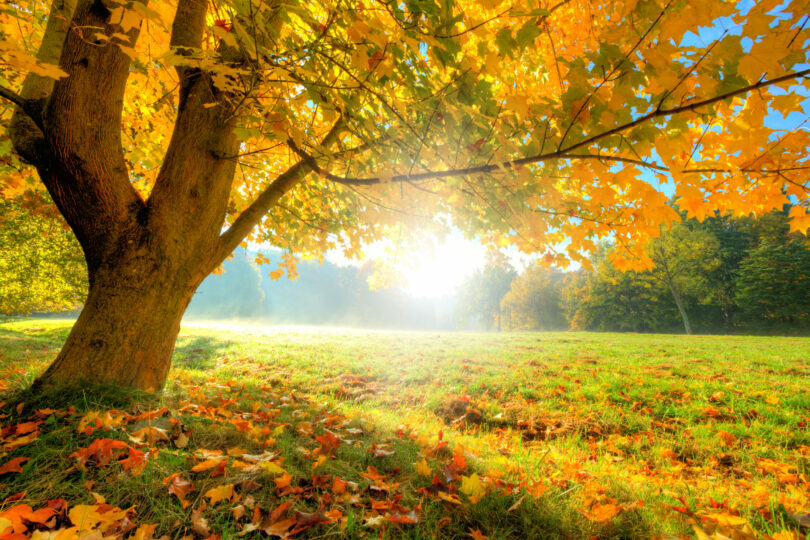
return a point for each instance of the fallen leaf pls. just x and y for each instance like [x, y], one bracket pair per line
[603, 512]
[13, 466]
[305, 521]
[219, 493]
[423, 469]
[149, 435]
[727, 438]
[180, 488]
[272, 467]
[206, 465]
[473, 487]
[199, 524]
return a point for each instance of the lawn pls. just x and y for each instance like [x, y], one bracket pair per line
[328, 432]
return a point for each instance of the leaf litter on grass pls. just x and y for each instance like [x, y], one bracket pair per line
[222, 456]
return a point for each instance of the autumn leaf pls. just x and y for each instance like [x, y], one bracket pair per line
[602, 512]
[423, 469]
[13, 465]
[476, 534]
[149, 435]
[727, 438]
[272, 467]
[207, 465]
[304, 521]
[180, 488]
[199, 524]
[219, 493]
[473, 487]
[85, 517]
[329, 443]
[279, 528]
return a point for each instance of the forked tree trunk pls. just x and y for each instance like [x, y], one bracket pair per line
[145, 257]
[126, 331]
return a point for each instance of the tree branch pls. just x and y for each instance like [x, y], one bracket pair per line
[28, 106]
[252, 215]
[27, 129]
[565, 153]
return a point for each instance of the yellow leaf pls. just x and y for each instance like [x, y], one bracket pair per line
[272, 468]
[85, 516]
[219, 493]
[603, 512]
[422, 468]
[472, 487]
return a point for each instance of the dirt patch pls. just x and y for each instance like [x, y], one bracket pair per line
[352, 387]
[546, 428]
[458, 409]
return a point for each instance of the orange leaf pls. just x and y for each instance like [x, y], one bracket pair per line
[13, 465]
[206, 465]
[219, 493]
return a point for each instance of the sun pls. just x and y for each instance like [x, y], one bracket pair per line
[441, 269]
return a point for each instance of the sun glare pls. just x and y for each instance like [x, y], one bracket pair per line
[442, 269]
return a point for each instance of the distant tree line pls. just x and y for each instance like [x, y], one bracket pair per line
[322, 294]
[724, 274]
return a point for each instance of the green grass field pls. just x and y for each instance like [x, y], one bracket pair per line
[548, 435]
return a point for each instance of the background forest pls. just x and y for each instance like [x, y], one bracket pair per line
[723, 274]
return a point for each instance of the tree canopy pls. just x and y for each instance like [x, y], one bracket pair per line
[530, 123]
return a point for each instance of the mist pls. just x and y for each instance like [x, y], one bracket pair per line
[323, 295]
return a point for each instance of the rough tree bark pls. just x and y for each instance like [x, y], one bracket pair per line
[145, 258]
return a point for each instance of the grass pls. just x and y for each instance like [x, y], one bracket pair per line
[574, 435]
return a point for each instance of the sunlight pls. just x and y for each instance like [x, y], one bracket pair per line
[443, 268]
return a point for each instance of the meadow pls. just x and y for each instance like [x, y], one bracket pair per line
[318, 433]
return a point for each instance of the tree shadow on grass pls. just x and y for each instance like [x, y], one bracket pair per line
[198, 352]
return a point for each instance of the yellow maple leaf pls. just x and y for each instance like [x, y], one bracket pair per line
[422, 468]
[219, 493]
[603, 512]
[85, 516]
[272, 467]
[473, 487]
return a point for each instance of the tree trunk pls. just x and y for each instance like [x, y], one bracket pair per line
[686, 326]
[126, 332]
[145, 257]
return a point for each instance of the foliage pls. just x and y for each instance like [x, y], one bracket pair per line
[481, 294]
[41, 266]
[533, 301]
[529, 124]
[706, 273]
[773, 284]
[357, 433]
[612, 299]
[683, 257]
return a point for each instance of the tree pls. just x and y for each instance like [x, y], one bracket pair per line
[169, 134]
[606, 298]
[683, 258]
[774, 282]
[534, 301]
[481, 294]
[734, 238]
